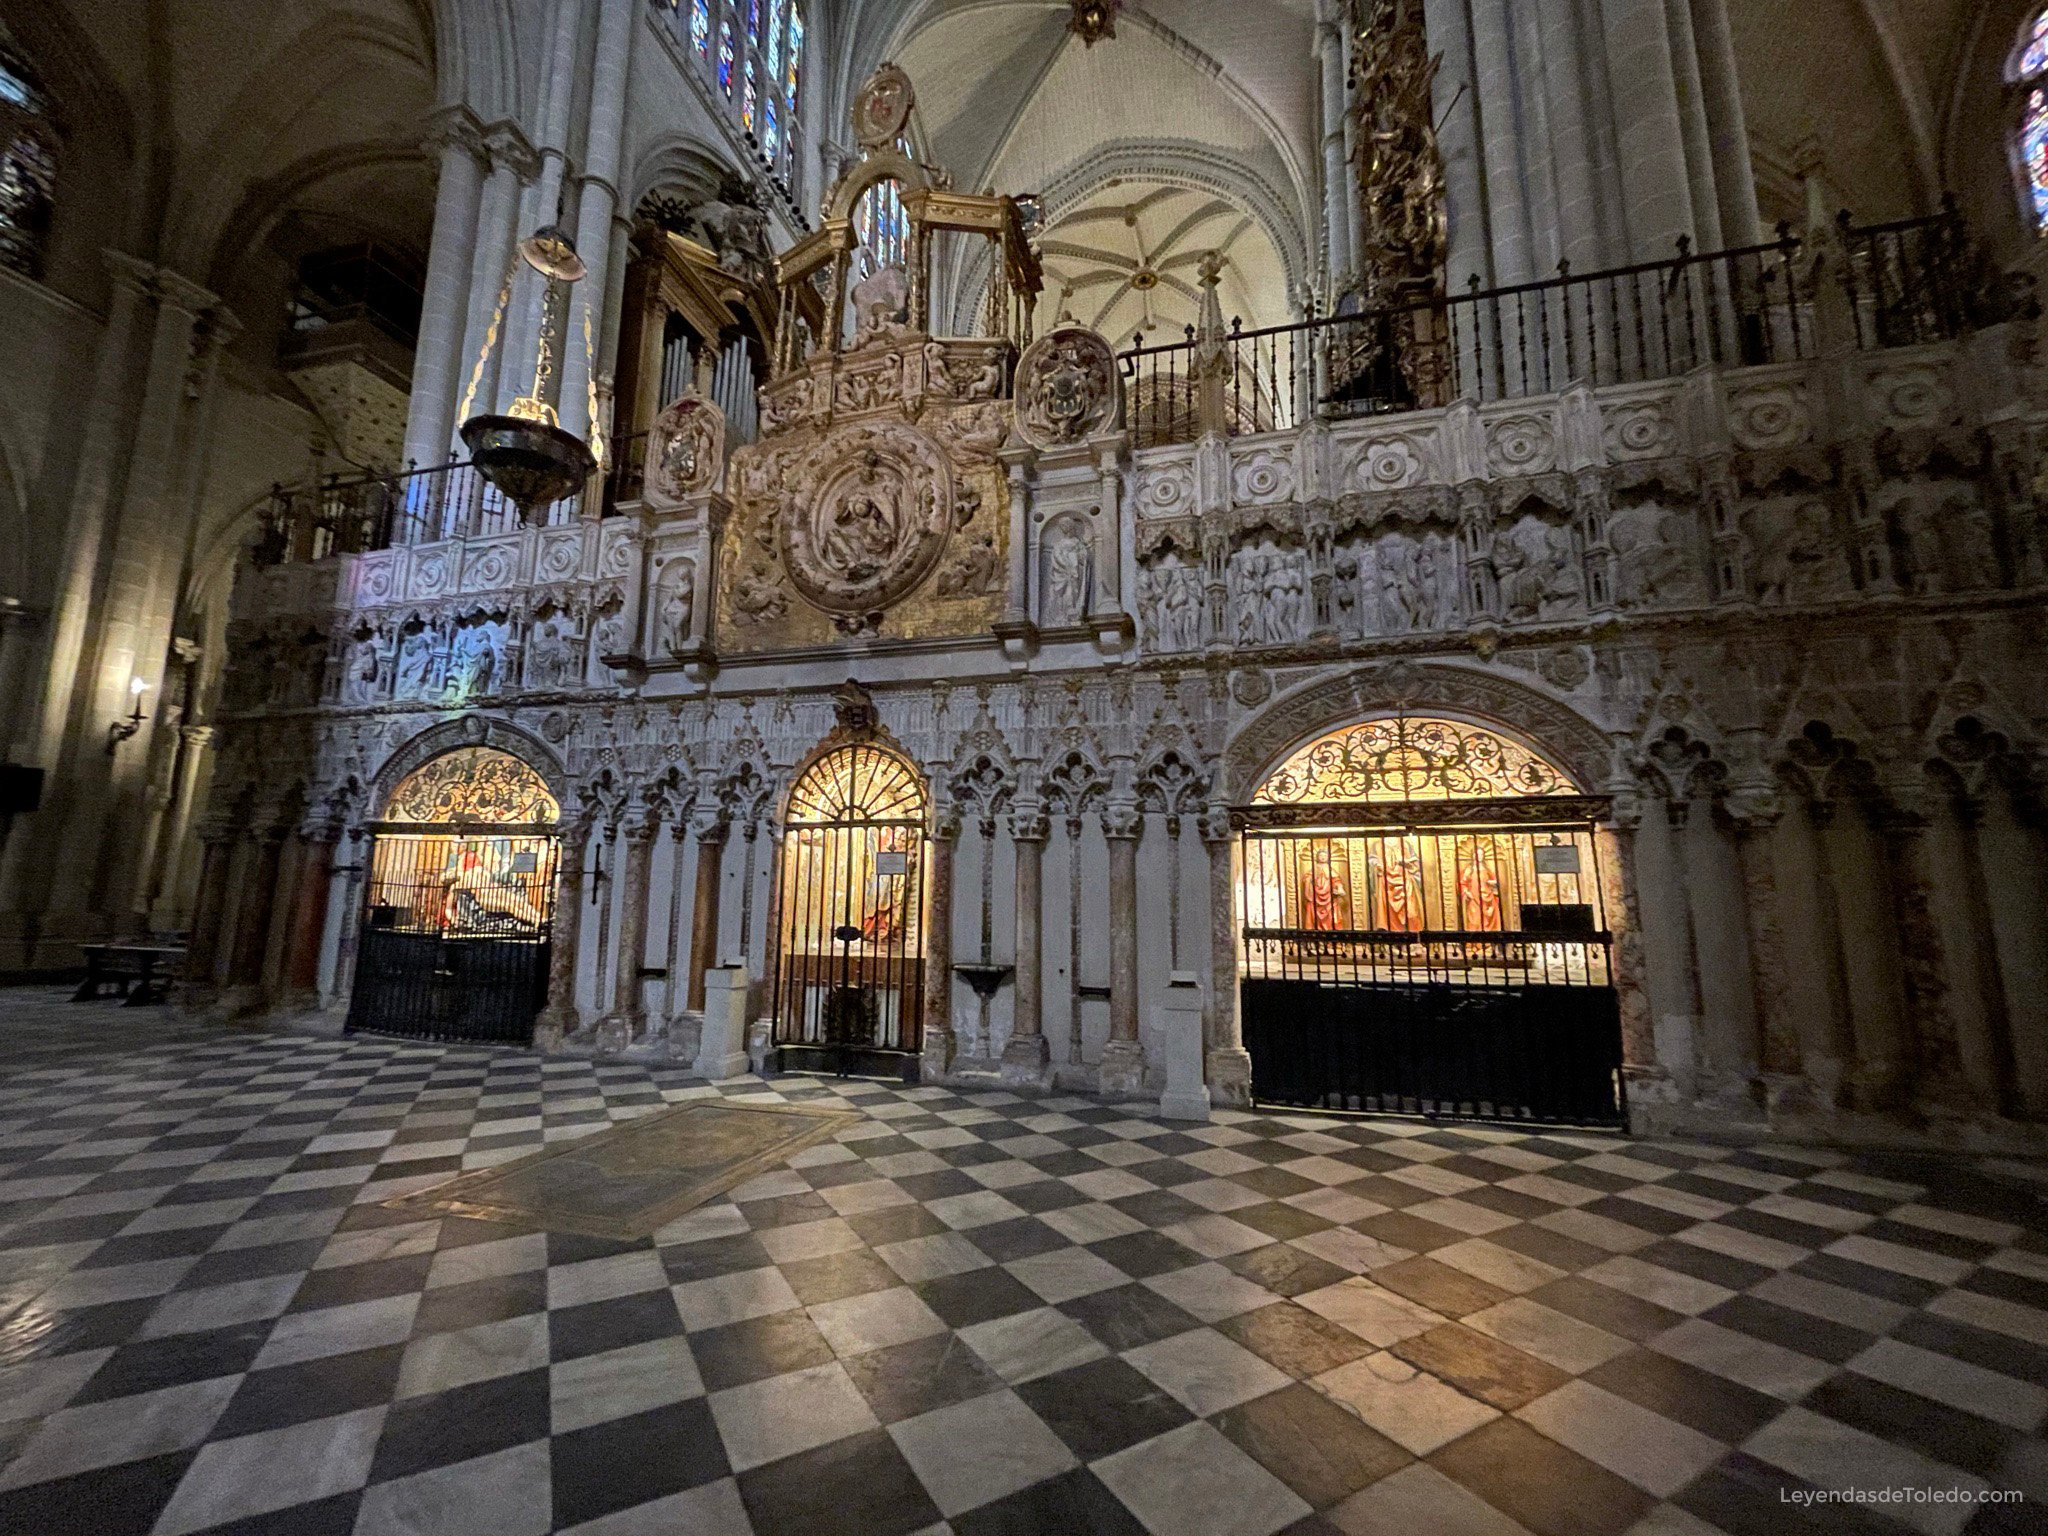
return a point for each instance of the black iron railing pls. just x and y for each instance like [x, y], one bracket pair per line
[344, 515]
[1904, 282]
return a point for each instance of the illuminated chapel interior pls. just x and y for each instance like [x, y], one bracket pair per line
[1424, 557]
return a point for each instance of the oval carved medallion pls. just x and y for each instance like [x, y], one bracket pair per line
[871, 511]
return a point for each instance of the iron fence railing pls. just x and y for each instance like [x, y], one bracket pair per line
[1904, 283]
[344, 515]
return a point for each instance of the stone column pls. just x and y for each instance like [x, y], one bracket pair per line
[1122, 1070]
[1937, 1061]
[1837, 1074]
[351, 918]
[209, 911]
[1229, 1064]
[711, 833]
[938, 946]
[1027, 1060]
[545, 200]
[1329, 47]
[451, 259]
[627, 1020]
[252, 927]
[483, 333]
[309, 917]
[1996, 1080]
[596, 207]
[1651, 135]
[1721, 84]
[560, 1018]
[1456, 105]
[1623, 911]
[1752, 819]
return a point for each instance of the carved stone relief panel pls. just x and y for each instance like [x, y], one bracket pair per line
[1797, 553]
[1537, 571]
[1068, 388]
[1269, 590]
[685, 450]
[1170, 605]
[1656, 551]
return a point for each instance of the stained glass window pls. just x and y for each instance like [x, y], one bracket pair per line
[748, 97]
[775, 48]
[2033, 54]
[796, 56]
[879, 223]
[1410, 759]
[700, 27]
[771, 138]
[725, 56]
[753, 23]
[28, 163]
[2034, 155]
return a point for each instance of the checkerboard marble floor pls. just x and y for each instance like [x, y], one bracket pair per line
[972, 1312]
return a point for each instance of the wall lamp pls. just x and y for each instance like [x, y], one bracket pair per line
[121, 730]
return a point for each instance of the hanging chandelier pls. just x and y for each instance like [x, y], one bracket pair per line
[525, 452]
[1093, 20]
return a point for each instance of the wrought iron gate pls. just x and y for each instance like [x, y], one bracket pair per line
[1440, 963]
[849, 981]
[455, 937]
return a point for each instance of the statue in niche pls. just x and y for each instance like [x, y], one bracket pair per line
[1069, 578]
[1429, 585]
[1396, 560]
[1344, 595]
[1285, 597]
[611, 631]
[359, 684]
[551, 654]
[1801, 560]
[1535, 574]
[678, 606]
[1649, 546]
[415, 663]
[1249, 595]
[474, 668]
[1975, 549]
[977, 570]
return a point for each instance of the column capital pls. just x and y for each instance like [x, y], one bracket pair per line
[510, 149]
[1029, 823]
[456, 128]
[1215, 824]
[1122, 821]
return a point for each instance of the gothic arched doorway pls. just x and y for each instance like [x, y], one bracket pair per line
[849, 982]
[460, 902]
[1424, 932]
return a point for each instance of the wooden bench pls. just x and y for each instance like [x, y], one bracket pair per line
[140, 974]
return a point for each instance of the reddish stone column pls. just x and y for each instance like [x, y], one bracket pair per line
[309, 917]
[704, 909]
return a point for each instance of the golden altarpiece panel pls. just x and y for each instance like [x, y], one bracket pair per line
[873, 503]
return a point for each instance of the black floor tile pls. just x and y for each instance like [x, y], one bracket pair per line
[1102, 1407]
[858, 1486]
[598, 1326]
[906, 1380]
[312, 1389]
[422, 1433]
[629, 1461]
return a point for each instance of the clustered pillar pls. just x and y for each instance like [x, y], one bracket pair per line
[1027, 1059]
